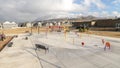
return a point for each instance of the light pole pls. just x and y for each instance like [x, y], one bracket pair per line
[2, 29]
[31, 28]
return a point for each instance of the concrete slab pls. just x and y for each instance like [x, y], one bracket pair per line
[17, 55]
[62, 52]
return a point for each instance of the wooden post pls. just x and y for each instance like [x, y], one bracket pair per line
[65, 34]
[73, 41]
[38, 30]
[46, 32]
[80, 35]
[31, 27]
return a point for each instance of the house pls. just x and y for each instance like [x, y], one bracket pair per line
[7, 25]
[0, 25]
[97, 23]
[106, 22]
[117, 26]
[40, 24]
[81, 22]
[21, 24]
[28, 24]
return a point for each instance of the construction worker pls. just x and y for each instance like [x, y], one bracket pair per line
[107, 45]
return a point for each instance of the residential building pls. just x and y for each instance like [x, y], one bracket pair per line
[7, 25]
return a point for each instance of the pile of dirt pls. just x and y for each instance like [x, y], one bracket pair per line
[5, 42]
[103, 29]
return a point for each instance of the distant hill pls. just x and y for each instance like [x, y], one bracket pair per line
[52, 18]
[59, 18]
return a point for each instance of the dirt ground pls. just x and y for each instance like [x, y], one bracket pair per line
[105, 33]
[3, 43]
[23, 30]
[16, 31]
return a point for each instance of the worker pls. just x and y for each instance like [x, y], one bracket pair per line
[107, 45]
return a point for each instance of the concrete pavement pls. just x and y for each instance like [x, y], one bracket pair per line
[62, 52]
[17, 56]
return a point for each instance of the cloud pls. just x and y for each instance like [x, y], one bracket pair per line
[116, 1]
[28, 10]
[105, 14]
[116, 13]
[98, 3]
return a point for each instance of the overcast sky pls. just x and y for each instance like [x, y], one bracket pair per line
[28, 10]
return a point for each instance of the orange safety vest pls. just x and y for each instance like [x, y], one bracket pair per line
[107, 44]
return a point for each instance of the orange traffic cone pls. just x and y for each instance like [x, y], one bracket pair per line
[82, 44]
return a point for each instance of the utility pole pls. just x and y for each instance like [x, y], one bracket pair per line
[31, 28]
[39, 25]
[2, 29]
[38, 30]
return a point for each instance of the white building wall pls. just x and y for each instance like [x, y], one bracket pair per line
[7, 25]
[39, 24]
[29, 25]
[0, 26]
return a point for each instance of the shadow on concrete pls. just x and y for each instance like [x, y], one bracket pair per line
[40, 59]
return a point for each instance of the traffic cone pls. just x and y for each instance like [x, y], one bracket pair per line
[82, 44]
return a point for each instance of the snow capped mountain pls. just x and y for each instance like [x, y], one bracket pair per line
[49, 17]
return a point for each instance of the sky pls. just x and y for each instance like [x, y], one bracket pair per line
[30, 10]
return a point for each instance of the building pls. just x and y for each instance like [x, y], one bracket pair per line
[97, 22]
[7, 25]
[0, 25]
[82, 22]
[29, 24]
[117, 26]
[105, 22]
[21, 24]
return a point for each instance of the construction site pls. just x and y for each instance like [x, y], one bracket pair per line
[59, 34]
[50, 48]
